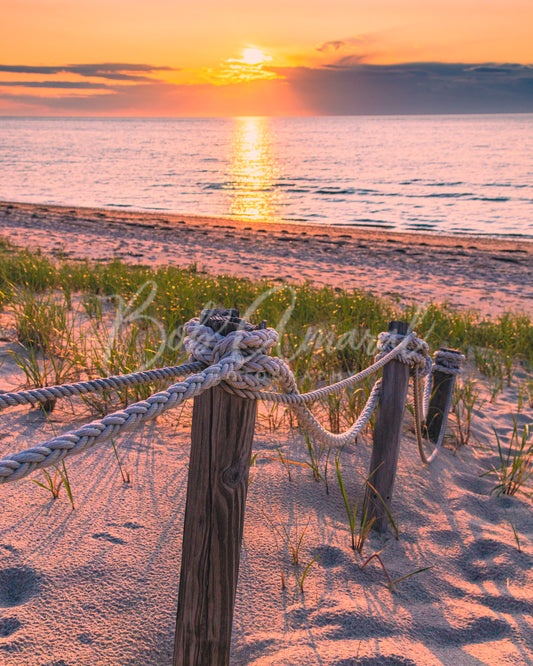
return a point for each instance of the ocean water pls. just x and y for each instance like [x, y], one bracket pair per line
[440, 174]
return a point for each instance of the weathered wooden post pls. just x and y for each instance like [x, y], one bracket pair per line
[221, 446]
[386, 445]
[441, 391]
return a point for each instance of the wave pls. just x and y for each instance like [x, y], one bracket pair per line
[490, 199]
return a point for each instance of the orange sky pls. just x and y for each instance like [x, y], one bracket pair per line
[194, 53]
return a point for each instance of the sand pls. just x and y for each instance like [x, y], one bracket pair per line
[98, 585]
[487, 274]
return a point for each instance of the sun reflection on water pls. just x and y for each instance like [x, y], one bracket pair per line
[253, 170]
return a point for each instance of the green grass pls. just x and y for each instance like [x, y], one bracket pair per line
[514, 469]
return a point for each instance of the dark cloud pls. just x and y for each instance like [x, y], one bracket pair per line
[54, 84]
[137, 99]
[334, 45]
[346, 61]
[412, 88]
[115, 71]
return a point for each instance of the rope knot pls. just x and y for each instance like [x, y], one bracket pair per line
[447, 361]
[248, 351]
[415, 354]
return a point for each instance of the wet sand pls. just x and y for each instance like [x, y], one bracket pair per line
[487, 274]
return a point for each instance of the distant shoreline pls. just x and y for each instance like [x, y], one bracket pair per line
[362, 231]
[491, 275]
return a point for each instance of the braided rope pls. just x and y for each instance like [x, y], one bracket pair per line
[238, 361]
[415, 354]
[324, 436]
[408, 349]
[40, 395]
[448, 362]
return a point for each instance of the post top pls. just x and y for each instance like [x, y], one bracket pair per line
[398, 327]
[226, 320]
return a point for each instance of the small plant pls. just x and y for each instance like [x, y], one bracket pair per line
[53, 483]
[515, 466]
[333, 403]
[367, 521]
[275, 416]
[286, 463]
[92, 304]
[489, 362]
[40, 322]
[351, 511]
[43, 370]
[46, 333]
[123, 472]
[315, 460]
[294, 547]
[300, 577]
[391, 583]
[497, 366]
[465, 399]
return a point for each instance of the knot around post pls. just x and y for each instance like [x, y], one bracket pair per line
[219, 338]
[415, 354]
[448, 361]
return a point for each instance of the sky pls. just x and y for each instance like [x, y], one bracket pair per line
[264, 57]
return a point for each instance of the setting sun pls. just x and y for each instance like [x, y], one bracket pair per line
[253, 56]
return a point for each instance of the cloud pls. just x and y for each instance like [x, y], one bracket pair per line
[337, 88]
[115, 71]
[337, 44]
[411, 88]
[54, 84]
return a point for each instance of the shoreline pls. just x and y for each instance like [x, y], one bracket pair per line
[369, 232]
[491, 275]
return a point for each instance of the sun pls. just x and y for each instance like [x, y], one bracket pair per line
[253, 57]
[252, 65]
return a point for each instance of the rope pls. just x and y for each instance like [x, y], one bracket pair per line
[40, 395]
[448, 362]
[415, 354]
[295, 397]
[238, 361]
[408, 349]
[443, 361]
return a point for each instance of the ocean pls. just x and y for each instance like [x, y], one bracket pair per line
[468, 174]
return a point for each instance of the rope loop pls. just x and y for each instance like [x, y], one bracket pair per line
[448, 362]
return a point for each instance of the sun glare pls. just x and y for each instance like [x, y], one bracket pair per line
[253, 56]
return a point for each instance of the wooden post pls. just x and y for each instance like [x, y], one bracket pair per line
[441, 389]
[221, 446]
[386, 447]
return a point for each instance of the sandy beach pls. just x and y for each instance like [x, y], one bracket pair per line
[98, 585]
[489, 275]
